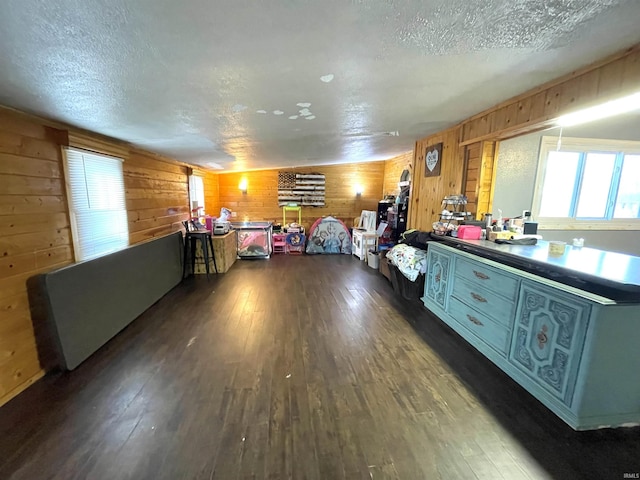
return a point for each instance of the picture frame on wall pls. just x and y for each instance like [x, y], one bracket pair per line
[433, 160]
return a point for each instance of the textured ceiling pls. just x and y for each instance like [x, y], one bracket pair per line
[244, 84]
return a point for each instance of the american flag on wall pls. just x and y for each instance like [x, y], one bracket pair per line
[306, 189]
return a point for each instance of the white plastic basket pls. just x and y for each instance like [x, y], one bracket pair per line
[373, 260]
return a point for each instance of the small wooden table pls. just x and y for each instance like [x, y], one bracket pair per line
[225, 250]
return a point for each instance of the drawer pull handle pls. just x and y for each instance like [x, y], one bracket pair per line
[478, 298]
[481, 275]
[474, 320]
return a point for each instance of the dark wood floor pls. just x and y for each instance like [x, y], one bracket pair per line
[296, 367]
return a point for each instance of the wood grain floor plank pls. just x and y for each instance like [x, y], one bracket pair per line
[297, 367]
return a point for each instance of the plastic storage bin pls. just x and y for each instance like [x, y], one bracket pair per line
[469, 232]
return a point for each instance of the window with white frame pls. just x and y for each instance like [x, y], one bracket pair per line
[98, 213]
[196, 195]
[588, 183]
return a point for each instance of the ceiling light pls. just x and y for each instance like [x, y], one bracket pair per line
[604, 110]
[372, 134]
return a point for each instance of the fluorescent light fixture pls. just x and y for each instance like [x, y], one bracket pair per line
[604, 110]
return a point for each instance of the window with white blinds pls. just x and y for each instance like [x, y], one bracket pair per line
[95, 189]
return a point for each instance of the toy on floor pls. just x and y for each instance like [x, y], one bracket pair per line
[329, 235]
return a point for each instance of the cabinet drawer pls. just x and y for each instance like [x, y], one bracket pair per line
[490, 278]
[491, 304]
[491, 333]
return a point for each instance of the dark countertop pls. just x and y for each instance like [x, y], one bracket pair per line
[612, 275]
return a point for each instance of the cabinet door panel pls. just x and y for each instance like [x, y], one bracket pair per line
[437, 279]
[548, 338]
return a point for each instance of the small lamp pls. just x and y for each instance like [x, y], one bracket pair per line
[243, 185]
[359, 189]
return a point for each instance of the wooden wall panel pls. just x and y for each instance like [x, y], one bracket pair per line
[478, 177]
[35, 234]
[471, 175]
[533, 110]
[427, 192]
[212, 194]
[34, 238]
[486, 177]
[393, 169]
[157, 196]
[261, 200]
[610, 78]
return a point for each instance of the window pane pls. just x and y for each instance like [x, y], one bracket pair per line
[596, 184]
[559, 183]
[96, 204]
[628, 201]
[196, 194]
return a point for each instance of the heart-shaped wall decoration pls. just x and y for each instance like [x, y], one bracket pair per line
[432, 160]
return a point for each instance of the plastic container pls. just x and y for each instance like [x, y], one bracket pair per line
[469, 232]
[556, 249]
[373, 260]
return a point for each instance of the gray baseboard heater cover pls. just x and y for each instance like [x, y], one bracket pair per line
[90, 302]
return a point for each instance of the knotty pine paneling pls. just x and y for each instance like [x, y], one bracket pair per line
[212, 194]
[35, 234]
[393, 169]
[471, 175]
[533, 110]
[427, 193]
[261, 200]
[484, 202]
[479, 177]
[610, 78]
[157, 196]
[34, 238]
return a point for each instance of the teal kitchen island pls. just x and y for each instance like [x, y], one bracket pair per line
[566, 328]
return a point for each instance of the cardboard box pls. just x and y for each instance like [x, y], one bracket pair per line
[502, 235]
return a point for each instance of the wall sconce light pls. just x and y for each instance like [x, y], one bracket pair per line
[359, 189]
[243, 185]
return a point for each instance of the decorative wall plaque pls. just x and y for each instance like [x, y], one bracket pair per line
[305, 189]
[432, 160]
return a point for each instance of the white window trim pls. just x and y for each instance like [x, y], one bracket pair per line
[548, 144]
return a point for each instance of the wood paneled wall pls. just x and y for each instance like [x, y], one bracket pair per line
[534, 110]
[610, 78]
[480, 158]
[393, 169]
[261, 200]
[427, 192]
[157, 195]
[211, 193]
[35, 233]
[34, 238]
